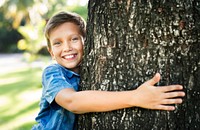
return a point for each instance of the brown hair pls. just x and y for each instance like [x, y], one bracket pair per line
[61, 18]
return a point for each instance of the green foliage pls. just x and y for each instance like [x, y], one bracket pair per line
[8, 39]
[81, 10]
[8, 35]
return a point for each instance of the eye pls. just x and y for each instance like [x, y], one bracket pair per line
[56, 43]
[75, 39]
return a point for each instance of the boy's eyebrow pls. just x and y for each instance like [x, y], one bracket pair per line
[54, 40]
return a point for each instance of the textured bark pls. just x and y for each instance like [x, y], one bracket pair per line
[128, 41]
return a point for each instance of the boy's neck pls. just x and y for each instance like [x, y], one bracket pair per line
[77, 70]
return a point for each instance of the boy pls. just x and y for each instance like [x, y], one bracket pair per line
[60, 100]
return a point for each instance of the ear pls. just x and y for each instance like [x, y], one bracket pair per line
[51, 53]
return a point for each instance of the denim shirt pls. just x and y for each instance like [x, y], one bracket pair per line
[52, 116]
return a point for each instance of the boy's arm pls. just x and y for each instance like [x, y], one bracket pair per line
[145, 96]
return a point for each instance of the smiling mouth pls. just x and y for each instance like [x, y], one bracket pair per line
[69, 57]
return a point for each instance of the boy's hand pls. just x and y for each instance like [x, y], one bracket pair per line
[160, 98]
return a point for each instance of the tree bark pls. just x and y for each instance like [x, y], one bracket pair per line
[127, 43]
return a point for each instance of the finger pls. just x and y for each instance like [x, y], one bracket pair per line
[171, 88]
[174, 94]
[154, 80]
[165, 107]
[172, 101]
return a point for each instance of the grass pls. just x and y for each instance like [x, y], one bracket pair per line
[20, 92]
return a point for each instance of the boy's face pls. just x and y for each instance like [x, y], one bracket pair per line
[67, 45]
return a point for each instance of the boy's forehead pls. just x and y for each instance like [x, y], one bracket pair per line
[64, 30]
[67, 26]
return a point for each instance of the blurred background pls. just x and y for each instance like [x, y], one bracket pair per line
[23, 56]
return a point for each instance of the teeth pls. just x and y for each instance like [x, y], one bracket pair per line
[69, 56]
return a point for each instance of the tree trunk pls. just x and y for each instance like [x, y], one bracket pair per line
[128, 41]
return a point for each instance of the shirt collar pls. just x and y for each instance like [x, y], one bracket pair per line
[69, 73]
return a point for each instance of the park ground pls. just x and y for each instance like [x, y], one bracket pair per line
[20, 91]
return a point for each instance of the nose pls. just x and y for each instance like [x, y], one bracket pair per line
[67, 46]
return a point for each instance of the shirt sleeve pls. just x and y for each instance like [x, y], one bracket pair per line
[53, 81]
